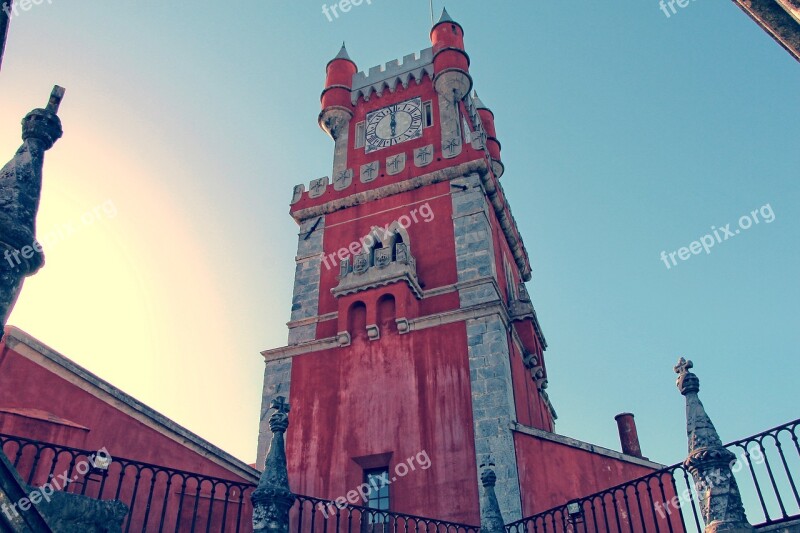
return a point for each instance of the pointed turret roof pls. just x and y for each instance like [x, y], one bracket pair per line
[446, 18]
[478, 102]
[342, 55]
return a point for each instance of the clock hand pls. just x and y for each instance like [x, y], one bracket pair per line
[393, 124]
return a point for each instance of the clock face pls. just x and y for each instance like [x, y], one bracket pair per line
[394, 124]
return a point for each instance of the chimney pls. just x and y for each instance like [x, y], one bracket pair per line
[628, 436]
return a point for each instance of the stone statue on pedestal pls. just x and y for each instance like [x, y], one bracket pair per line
[20, 190]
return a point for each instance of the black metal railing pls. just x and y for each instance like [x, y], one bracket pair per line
[158, 498]
[310, 515]
[166, 499]
[666, 500]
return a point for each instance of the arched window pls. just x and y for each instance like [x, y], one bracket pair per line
[397, 240]
[387, 313]
[357, 320]
[377, 245]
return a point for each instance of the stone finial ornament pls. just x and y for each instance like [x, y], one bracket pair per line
[20, 191]
[272, 499]
[491, 517]
[710, 462]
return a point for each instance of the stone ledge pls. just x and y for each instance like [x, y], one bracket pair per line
[575, 443]
[312, 320]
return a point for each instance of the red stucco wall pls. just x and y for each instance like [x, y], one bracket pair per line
[552, 473]
[28, 390]
[401, 395]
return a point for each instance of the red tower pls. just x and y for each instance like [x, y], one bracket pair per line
[413, 340]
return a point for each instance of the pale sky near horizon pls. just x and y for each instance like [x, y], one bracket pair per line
[625, 133]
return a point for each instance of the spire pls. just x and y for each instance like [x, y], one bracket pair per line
[478, 102]
[446, 18]
[272, 499]
[709, 461]
[342, 55]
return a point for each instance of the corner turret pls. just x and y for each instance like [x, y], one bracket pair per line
[450, 61]
[335, 98]
[492, 144]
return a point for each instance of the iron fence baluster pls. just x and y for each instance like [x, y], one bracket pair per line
[772, 478]
[149, 499]
[594, 514]
[225, 507]
[779, 445]
[18, 457]
[605, 512]
[664, 499]
[180, 504]
[639, 505]
[35, 464]
[211, 506]
[196, 502]
[616, 510]
[754, 478]
[104, 477]
[53, 464]
[239, 510]
[300, 504]
[165, 504]
[689, 485]
[652, 507]
[133, 496]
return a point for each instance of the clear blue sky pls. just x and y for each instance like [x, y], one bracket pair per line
[624, 133]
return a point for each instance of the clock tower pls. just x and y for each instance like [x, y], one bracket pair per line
[414, 351]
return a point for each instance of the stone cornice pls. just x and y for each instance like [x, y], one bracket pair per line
[779, 18]
[445, 317]
[477, 166]
[287, 352]
[312, 320]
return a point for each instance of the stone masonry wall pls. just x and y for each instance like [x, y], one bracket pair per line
[305, 305]
[493, 408]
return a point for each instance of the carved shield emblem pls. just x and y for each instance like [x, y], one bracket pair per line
[383, 256]
[360, 263]
[401, 253]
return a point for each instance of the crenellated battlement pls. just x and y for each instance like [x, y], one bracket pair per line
[380, 77]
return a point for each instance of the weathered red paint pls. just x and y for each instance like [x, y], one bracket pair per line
[379, 402]
[399, 396]
[553, 473]
[38, 403]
